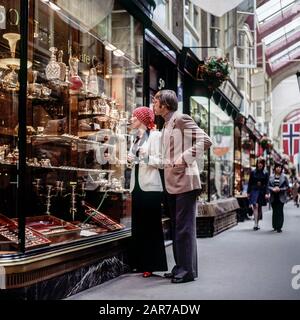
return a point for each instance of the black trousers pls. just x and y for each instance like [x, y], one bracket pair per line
[147, 248]
[183, 230]
[277, 216]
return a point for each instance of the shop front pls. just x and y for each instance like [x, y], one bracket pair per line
[214, 112]
[71, 74]
[246, 144]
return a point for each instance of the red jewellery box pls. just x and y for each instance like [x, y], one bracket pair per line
[52, 228]
[9, 233]
[102, 219]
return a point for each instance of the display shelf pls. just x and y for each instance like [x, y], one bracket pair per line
[70, 138]
[65, 168]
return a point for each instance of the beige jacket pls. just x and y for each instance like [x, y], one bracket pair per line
[182, 141]
[149, 177]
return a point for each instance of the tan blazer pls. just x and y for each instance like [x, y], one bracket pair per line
[182, 140]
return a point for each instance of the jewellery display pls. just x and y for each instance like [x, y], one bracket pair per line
[102, 219]
[9, 232]
[53, 229]
[76, 132]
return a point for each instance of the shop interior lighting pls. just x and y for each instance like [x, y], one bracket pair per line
[118, 53]
[54, 6]
[138, 70]
[110, 47]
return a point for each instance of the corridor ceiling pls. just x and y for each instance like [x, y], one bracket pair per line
[279, 28]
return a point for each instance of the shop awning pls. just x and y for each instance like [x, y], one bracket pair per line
[216, 7]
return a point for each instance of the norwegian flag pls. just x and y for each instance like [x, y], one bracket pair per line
[291, 136]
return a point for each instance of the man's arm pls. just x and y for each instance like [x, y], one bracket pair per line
[195, 139]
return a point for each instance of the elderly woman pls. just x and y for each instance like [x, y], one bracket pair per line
[278, 186]
[148, 249]
[257, 190]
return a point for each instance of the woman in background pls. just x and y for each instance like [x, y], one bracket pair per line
[257, 190]
[148, 249]
[278, 186]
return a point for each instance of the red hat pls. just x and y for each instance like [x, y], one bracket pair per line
[145, 115]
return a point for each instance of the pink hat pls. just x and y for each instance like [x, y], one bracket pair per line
[145, 115]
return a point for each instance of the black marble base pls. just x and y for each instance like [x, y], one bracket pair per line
[70, 283]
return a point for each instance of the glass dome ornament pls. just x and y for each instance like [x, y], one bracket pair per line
[53, 67]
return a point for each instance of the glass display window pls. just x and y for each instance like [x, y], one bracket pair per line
[84, 79]
[222, 153]
[199, 112]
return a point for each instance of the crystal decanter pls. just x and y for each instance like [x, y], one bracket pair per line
[53, 67]
[75, 80]
[93, 82]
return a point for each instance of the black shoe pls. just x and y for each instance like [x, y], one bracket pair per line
[279, 230]
[182, 280]
[169, 275]
[256, 228]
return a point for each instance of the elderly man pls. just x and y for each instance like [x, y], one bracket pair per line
[182, 143]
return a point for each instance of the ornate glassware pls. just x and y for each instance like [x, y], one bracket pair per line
[10, 81]
[93, 82]
[62, 66]
[75, 80]
[53, 67]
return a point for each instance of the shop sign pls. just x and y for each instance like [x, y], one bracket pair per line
[232, 93]
[250, 123]
[223, 130]
[222, 140]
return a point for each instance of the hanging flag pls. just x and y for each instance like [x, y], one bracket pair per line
[290, 137]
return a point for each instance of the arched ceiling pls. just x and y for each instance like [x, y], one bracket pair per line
[279, 28]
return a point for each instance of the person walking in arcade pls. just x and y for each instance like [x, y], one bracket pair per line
[257, 190]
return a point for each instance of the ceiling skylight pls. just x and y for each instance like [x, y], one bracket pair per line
[286, 30]
[271, 8]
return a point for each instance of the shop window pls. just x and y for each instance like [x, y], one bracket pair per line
[258, 109]
[199, 112]
[191, 41]
[162, 13]
[221, 162]
[188, 9]
[215, 31]
[85, 78]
